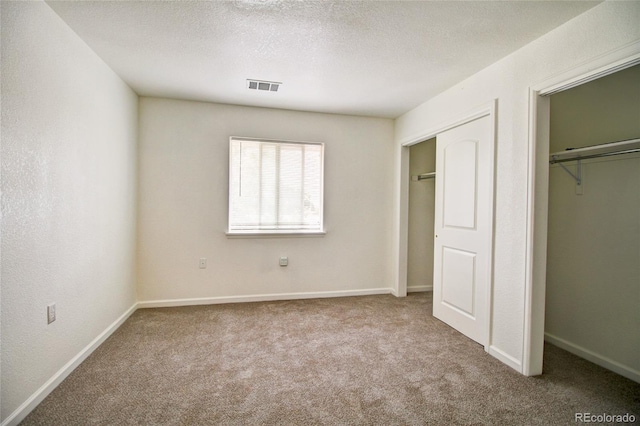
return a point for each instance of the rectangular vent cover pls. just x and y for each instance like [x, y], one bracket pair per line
[267, 86]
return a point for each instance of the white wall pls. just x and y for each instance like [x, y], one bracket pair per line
[183, 204]
[600, 30]
[601, 111]
[422, 198]
[593, 262]
[69, 129]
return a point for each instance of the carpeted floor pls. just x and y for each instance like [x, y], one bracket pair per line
[374, 360]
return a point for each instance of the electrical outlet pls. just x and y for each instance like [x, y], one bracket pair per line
[51, 313]
[203, 263]
[284, 261]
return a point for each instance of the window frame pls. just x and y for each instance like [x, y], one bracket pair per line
[255, 233]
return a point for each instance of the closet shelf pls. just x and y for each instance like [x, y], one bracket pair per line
[595, 151]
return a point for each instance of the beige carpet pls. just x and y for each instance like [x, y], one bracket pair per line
[374, 360]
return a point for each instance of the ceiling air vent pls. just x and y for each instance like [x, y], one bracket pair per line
[267, 86]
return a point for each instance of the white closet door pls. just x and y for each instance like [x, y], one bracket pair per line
[464, 227]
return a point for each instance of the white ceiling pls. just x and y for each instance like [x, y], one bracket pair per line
[375, 58]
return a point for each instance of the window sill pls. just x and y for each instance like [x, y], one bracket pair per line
[286, 234]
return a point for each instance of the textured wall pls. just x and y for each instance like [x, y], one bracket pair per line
[69, 128]
[593, 261]
[184, 155]
[598, 31]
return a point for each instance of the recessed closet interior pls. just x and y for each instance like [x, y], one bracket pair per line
[422, 196]
[593, 249]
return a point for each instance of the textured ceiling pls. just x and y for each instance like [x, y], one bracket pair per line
[376, 58]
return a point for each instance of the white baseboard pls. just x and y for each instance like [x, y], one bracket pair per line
[260, 298]
[595, 358]
[419, 288]
[32, 402]
[501, 355]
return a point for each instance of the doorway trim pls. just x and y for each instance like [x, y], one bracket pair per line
[487, 109]
[538, 189]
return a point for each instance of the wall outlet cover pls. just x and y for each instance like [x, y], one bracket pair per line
[51, 313]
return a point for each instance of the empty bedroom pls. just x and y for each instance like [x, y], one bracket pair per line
[262, 212]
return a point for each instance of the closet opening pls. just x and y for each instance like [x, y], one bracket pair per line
[593, 237]
[422, 195]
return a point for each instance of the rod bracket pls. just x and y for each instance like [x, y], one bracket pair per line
[578, 176]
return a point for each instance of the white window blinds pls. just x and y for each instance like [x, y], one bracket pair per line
[275, 187]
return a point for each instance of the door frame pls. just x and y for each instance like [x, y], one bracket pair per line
[487, 109]
[538, 190]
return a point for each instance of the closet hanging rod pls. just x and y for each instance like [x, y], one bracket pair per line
[424, 176]
[595, 151]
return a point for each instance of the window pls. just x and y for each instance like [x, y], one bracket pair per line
[275, 187]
